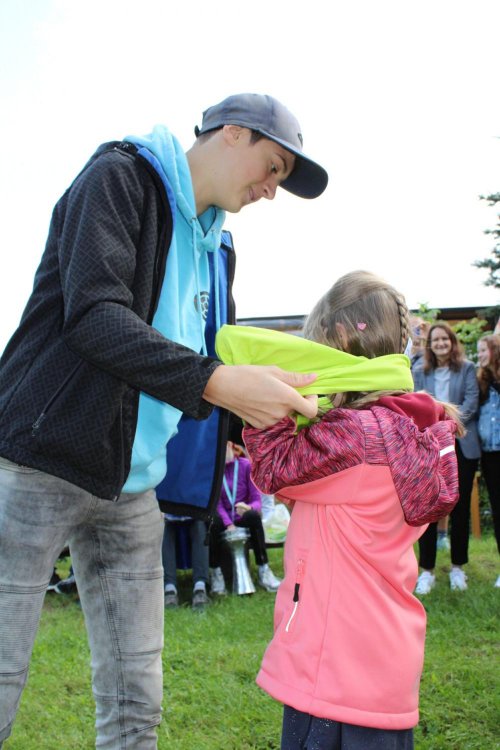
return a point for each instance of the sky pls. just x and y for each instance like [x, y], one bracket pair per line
[397, 99]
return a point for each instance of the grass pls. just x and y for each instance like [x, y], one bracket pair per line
[211, 659]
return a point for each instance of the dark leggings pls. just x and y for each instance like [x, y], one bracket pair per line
[490, 467]
[250, 520]
[459, 518]
[305, 732]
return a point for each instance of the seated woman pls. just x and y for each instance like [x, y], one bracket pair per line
[240, 504]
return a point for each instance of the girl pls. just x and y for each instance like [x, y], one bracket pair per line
[488, 354]
[448, 376]
[240, 504]
[347, 652]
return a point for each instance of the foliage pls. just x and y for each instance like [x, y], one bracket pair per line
[211, 659]
[468, 332]
[427, 313]
[492, 264]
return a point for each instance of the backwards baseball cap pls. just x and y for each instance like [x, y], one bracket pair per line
[271, 118]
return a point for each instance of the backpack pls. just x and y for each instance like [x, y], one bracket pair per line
[196, 455]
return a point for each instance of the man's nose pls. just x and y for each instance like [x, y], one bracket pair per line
[269, 189]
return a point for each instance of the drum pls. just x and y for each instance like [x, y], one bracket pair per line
[242, 580]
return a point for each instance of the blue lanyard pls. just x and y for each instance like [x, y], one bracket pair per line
[232, 494]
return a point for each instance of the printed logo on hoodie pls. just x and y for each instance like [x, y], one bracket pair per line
[204, 300]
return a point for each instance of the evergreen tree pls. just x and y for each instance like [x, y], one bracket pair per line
[493, 263]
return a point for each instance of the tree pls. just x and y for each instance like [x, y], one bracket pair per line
[493, 263]
[468, 333]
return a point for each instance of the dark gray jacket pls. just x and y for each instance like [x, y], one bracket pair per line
[71, 374]
[464, 393]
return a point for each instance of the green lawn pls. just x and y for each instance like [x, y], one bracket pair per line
[211, 659]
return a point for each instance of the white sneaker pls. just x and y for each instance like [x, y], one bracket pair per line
[458, 579]
[268, 580]
[497, 583]
[443, 542]
[217, 583]
[425, 583]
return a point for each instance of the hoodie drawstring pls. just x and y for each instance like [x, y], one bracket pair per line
[216, 281]
[198, 290]
[215, 250]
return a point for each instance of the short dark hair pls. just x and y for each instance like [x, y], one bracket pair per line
[255, 135]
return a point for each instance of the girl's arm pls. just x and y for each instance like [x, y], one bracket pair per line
[281, 457]
[254, 498]
[223, 513]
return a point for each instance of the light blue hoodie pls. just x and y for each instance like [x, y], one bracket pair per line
[178, 317]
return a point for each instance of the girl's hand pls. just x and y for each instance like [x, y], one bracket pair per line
[242, 508]
[231, 527]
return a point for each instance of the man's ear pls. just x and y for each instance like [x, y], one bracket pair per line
[232, 134]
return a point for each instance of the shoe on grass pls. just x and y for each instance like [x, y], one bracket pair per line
[200, 600]
[443, 543]
[497, 583]
[458, 579]
[171, 599]
[67, 585]
[217, 584]
[54, 581]
[268, 580]
[425, 583]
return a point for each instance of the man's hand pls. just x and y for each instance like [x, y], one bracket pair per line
[260, 395]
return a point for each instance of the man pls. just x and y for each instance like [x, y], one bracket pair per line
[109, 353]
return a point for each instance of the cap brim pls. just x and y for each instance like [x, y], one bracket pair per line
[308, 179]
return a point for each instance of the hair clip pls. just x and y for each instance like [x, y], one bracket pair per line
[361, 326]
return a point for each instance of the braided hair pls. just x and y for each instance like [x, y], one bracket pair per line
[364, 315]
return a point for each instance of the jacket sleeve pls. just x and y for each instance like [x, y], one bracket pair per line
[254, 498]
[283, 458]
[98, 254]
[418, 377]
[223, 513]
[469, 394]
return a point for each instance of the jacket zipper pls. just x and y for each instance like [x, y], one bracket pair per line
[35, 427]
[299, 575]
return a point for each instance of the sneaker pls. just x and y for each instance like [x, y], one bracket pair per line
[217, 584]
[443, 543]
[54, 580]
[497, 583]
[200, 600]
[171, 599]
[425, 583]
[67, 585]
[268, 580]
[458, 579]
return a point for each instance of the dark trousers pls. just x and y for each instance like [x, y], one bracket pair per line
[199, 550]
[250, 520]
[490, 468]
[305, 732]
[459, 519]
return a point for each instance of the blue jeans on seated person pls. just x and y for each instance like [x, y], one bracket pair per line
[116, 553]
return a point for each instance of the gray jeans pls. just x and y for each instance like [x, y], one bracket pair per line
[116, 554]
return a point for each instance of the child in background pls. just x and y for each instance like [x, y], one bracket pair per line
[348, 646]
[240, 504]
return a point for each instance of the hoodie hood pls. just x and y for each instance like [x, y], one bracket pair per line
[182, 306]
[419, 441]
[421, 408]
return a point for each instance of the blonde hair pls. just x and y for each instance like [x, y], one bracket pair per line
[363, 315]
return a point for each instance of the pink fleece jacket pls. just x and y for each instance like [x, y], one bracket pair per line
[349, 633]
